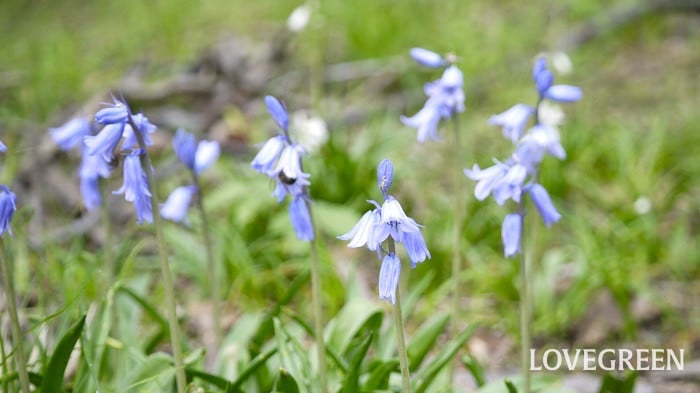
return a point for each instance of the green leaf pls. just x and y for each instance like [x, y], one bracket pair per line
[475, 369]
[286, 383]
[612, 384]
[357, 315]
[254, 365]
[53, 378]
[155, 374]
[424, 339]
[358, 354]
[511, 388]
[379, 377]
[425, 377]
[293, 357]
[215, 380]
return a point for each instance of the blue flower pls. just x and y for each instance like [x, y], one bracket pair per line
[389, 274]
[197, 157]
[90, 192]
[3, 148]
[278, 112]
[548, 139]
[503, 180]
[427, 58]
[544, 204]
[116, 113]
[445, 99]
[511, 232]
[301, 218]
[415, 246]
[72, 133]
[145, 127]
[513, 121]
[385, 176]
[178, 202]
[365, 231]
[544, 80]
[8, 206]
[105, 141]
[135, 187]
[92, 167]
[265, 160]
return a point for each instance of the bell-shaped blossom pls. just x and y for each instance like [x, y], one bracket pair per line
[445, 99]
[394, 216]
[71, 133]
[196, 156]
[389, 275]
[90, 192]
[145, 127]
[427, 58]
[178, 203]
[540, 197]
[8, 206]
[104, 143]
[415, 246]
[117, 112]
[366, 231]
[264, 162]
[544, 82]
[548, 139]
[135, 187]
[385, 176]
[300, 218]
[289, 162]
[503, 180]
[511, 232]
[3, 148]
[513, 121]
[92, 167]
[278, 112]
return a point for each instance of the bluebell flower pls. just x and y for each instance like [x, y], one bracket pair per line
[513, 121]
[544, 204]
[115, 113]
[445, 99]
[503, 180]
[71, 133]
[135, 187]
[8, 206]
[278, 112]
[145, 127]
[389, 275]
[3, 148]
[197, 157]
[178, 202]
[92, 167]
[301, 218]
[104, 143]
[427, 58]
[511, 232]
[280, 160]
[548, 139]
[544, 82]
[383, 221]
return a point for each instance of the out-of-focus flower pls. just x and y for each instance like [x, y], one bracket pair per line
[196, 156]
[3, 148]
[511, 231]
[299, 18]
[135, 187]
[178, 202]
[513, 121]
[540, 197]
[71, 133]
[427, 58]
[301, 218]
[92, 167]
[544, 82]
[8, 206]
[503, 180]
[311, 131]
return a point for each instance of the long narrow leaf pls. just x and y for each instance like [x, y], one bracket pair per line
[254, 365]
[352, 378]
[425, 378]
[53, 378]
[424, 339]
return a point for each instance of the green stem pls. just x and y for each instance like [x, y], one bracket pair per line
[107, 246]
[211, 263]
[457, 233]
[14, 322]
[168, 287]
[525, 306]
[5, 369]
[317, 307]
[401, 341]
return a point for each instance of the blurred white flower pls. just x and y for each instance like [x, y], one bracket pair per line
[311, 131]
[299, 18]
[642, 205]
[550, 114]
[562, 63]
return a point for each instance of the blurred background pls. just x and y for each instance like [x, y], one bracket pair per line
[620, 269]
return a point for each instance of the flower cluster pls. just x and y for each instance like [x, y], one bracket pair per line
[517, 176]
[280, 160]
[445, 95]
[197, 157]
[388, 221]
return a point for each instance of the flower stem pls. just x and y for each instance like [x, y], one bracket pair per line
[168, 288]
[211, 263]
[457, 233]
[107, 245]
[525, 306]
[401, 341]
[14, 322]
[317, 307]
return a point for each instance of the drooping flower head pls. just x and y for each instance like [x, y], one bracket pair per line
[445, 95]
[72, 133]
[280, 160]
[178, 202]
[544, 82]
[196, 156]
[8, 206]
[384, 221]
[135, 187]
